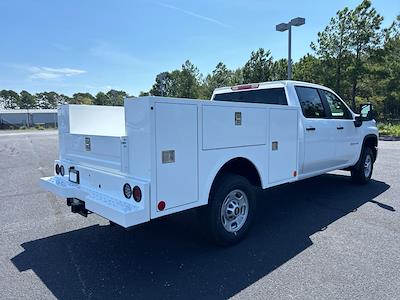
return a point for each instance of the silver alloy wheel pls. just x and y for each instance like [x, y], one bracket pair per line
[234, 210]
[367, 165]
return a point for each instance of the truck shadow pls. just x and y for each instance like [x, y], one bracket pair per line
[168, 258]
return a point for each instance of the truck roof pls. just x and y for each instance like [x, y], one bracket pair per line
[264, 85]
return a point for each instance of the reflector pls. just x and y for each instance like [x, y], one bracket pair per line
[161, 205]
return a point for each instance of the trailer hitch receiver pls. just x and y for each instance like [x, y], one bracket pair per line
[77, 206]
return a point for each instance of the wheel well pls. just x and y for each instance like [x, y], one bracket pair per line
[371, 141]
[240, 166]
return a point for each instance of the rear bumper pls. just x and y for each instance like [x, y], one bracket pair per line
[125, 212]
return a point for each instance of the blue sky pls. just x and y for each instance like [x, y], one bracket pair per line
[78, 46]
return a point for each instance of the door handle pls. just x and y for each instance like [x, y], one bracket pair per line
[339, 128]
[310, 128]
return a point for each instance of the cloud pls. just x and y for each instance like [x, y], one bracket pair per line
[103, 88]
[193, 14]
[106, 52]
[53, 73]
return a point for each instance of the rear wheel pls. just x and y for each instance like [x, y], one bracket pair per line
[230, 211]
[362, 171]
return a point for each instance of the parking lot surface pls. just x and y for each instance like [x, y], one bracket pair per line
[322, 238]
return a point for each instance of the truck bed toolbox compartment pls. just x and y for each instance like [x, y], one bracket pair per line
[109, 152]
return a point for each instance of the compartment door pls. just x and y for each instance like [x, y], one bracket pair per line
[283, 145]
[176, 151]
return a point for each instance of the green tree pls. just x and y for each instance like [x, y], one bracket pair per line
[279, 69]
[237, 76]
[184, 83]
[365, 35]
[333, 48]
[166, 84]
[393, 31]
[308, 68]
[9, 99]
[172, 84]
[101, 99]
[259, 67]
[387, 67]
[189, 81]
[48, 100]
[142, 94]
[26, 100]
[63, 99]
[116, 98]
[221, 76]
[82, 98]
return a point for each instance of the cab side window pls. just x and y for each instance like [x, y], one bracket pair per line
[310, 101]
[338, 109]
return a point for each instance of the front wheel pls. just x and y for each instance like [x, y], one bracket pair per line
[362, 171]
[230, 211]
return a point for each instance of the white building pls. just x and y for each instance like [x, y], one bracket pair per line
[28, 117]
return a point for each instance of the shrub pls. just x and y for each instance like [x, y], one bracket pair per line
[389, 129]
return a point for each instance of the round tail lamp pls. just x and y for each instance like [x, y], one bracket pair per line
[57, 169]
[127, 190]
[137, 193]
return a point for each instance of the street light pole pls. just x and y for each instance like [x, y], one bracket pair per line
[289, 66]
[288, 26]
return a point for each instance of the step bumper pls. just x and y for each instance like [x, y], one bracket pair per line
[125, 212]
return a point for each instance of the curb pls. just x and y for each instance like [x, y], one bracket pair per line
[389, 138]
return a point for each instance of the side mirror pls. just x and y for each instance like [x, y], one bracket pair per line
[366, 112]
[358, 121]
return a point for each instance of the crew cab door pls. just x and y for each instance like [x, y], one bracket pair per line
[344, 132]
[318, 142]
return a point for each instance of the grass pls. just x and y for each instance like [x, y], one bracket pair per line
[389, 129]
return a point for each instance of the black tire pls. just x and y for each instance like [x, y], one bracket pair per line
[359, 174]
[211, 215]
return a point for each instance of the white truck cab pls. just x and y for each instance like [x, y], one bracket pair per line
[156, 156]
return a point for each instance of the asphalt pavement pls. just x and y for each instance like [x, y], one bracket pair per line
[322, 238]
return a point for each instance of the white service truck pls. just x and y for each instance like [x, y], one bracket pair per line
[157, 156]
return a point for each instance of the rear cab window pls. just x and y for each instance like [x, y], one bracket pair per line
[265, 96]
[310, 102]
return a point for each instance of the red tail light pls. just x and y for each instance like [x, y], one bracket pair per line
[137, 193]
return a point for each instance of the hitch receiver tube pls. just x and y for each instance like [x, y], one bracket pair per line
[77, 206]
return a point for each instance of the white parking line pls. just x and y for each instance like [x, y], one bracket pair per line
[15, 133]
